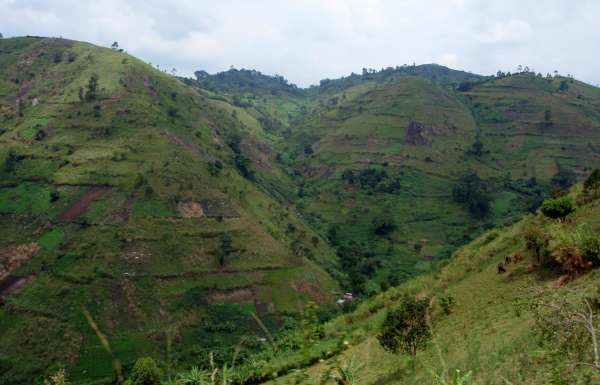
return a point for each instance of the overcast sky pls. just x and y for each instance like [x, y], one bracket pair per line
[308, 40]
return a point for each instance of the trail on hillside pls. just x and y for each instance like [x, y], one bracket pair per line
[84, 202]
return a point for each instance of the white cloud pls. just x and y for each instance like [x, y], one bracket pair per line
[307, 40]
[508, 32]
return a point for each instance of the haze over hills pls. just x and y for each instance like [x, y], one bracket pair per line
[149, 215]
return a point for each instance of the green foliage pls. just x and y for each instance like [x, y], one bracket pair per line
[589, 244]
[564, 178]
[472, 192]
[226, 248]
[405, 328]
[145, 372]
[373, 180]
[458, 378]
[52, 239]
[446, 303]
[557, 207]
[538, 241]
[593, 181]
[384, 225]
[92, 88]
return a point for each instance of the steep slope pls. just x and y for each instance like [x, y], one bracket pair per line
[129, 197]
[502, 326]
[381, 165]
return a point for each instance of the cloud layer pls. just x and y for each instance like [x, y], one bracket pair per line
[308, 40]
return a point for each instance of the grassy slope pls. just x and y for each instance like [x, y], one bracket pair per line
[365, 125]
[148, 276]
[489, 330]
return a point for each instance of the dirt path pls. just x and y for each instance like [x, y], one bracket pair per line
[84, 202]
[11, 283]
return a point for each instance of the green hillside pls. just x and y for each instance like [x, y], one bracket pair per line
[135, 202]
[379, 163]
[180, 219]
[514, 326]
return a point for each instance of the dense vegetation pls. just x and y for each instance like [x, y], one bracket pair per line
[209, 224]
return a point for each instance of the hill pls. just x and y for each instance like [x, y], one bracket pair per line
[383, 166]
[500, 312]
[130, 197]
[150, 215]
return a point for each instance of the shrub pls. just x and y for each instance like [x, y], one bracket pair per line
[447, 302]
[590, 247]
[557, 208]
[92, 88]
[405, 329]
[144, 372]
[384, 226]
[593, 181]
[537, 241]
[472, 192]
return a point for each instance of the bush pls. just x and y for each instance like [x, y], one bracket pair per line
[384, 226]
[537, 241]
[590, 247]
[405, 329]
[557, 208]
[472, 192]
[593, 181]
[144, 372]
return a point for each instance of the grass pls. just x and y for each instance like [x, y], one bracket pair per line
[489, 331]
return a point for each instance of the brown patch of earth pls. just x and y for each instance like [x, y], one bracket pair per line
[417, 134]
[84, 202]
[12, 283]
[190, 210]
[238, 295]
[13, 256]
[312, 290]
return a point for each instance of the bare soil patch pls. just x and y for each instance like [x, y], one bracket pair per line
[238, 295]
[13, 256]
[84, 202]
[190, 210]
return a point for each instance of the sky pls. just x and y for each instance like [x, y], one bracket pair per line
[309, 40]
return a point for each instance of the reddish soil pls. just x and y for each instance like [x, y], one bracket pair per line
[417, 134]
[84, 202]
[12, 283]
[27, 85]
[311, 289]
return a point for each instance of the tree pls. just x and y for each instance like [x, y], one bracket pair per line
[477, 147]
[557, 208]
[92, 87]
[548, 117]
[593, 181]
[226, 248]
[405, 328]
[565, 324]
[115, 46]
[564, 178]
[472, 192]
[384, 225]
[11, 160]
[308, 150]
[144, 372]
[1, 36]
